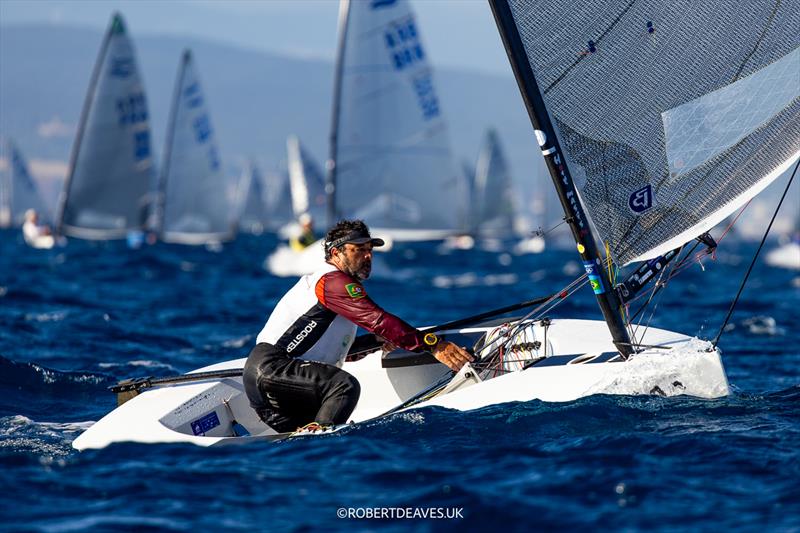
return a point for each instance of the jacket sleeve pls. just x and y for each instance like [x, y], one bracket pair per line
[346, 297]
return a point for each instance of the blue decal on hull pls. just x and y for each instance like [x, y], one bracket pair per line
[205, 424]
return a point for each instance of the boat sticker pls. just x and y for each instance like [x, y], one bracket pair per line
[205, 424]
[641, 200]
[355, 290]
[594, 278]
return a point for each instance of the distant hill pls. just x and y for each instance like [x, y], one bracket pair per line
[256, 98]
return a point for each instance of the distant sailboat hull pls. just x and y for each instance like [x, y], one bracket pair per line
[580, 361]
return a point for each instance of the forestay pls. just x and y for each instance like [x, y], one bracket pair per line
[306, 181]
[392, 155]
[108, 189]
[18, 191]
[196, 208]
[671, 115]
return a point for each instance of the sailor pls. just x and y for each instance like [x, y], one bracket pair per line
[293, 375]
[306, 237]
[35, 235]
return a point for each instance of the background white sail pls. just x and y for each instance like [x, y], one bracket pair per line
[18, 191]
[195, 205]
[108, 190]
[393, 162]
[492, 205]
[671, 115]
[306, 180]
[253, 214]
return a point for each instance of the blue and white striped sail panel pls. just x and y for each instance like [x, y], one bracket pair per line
[394, 166]
[109, 188]
[671, 115]
[196, 208]
[18, 191]
[306, 181]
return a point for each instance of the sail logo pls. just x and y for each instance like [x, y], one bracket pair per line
[377, 4]
[402, 42]
[641, 200]
[426, 95]
[121, 67]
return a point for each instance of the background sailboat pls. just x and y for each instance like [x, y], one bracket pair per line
[307, 182]
[18, 191]
[390, 153]
[253, 214]
[195, 207]
[107, 192]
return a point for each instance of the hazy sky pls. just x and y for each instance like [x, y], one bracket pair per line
[458, 33]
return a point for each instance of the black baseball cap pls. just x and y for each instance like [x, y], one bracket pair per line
[355, 237]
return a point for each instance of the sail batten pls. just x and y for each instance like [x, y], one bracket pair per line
[671, 116]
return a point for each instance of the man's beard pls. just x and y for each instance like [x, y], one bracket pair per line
[360, 274]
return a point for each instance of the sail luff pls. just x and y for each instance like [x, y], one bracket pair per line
[76, 146]
[331, 164]
[560, 174]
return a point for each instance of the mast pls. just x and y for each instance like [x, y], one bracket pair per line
[559, 172]
[161, 200]
[331, 164]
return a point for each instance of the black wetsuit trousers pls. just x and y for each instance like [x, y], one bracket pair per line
[289, 393]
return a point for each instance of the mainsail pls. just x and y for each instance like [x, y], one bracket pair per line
[492, 202]
[195, 204]
[670, 115]
[306, 180]
[390, 153]
[18, 191]
[108, 191]
[253, 214]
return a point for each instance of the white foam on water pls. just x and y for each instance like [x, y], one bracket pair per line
[53, 316]
[685, 369]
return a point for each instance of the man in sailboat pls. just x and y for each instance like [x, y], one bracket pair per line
[306, 237]
[36, 235]
[293, 375]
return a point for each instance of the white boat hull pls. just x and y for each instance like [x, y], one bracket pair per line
[580, 361]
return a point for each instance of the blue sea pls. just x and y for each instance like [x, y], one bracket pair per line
[74, 321]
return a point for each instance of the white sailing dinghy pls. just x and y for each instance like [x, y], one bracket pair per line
[390, 162]
[253, 214]
[109, 189]
[194, 198]
[649, 190]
